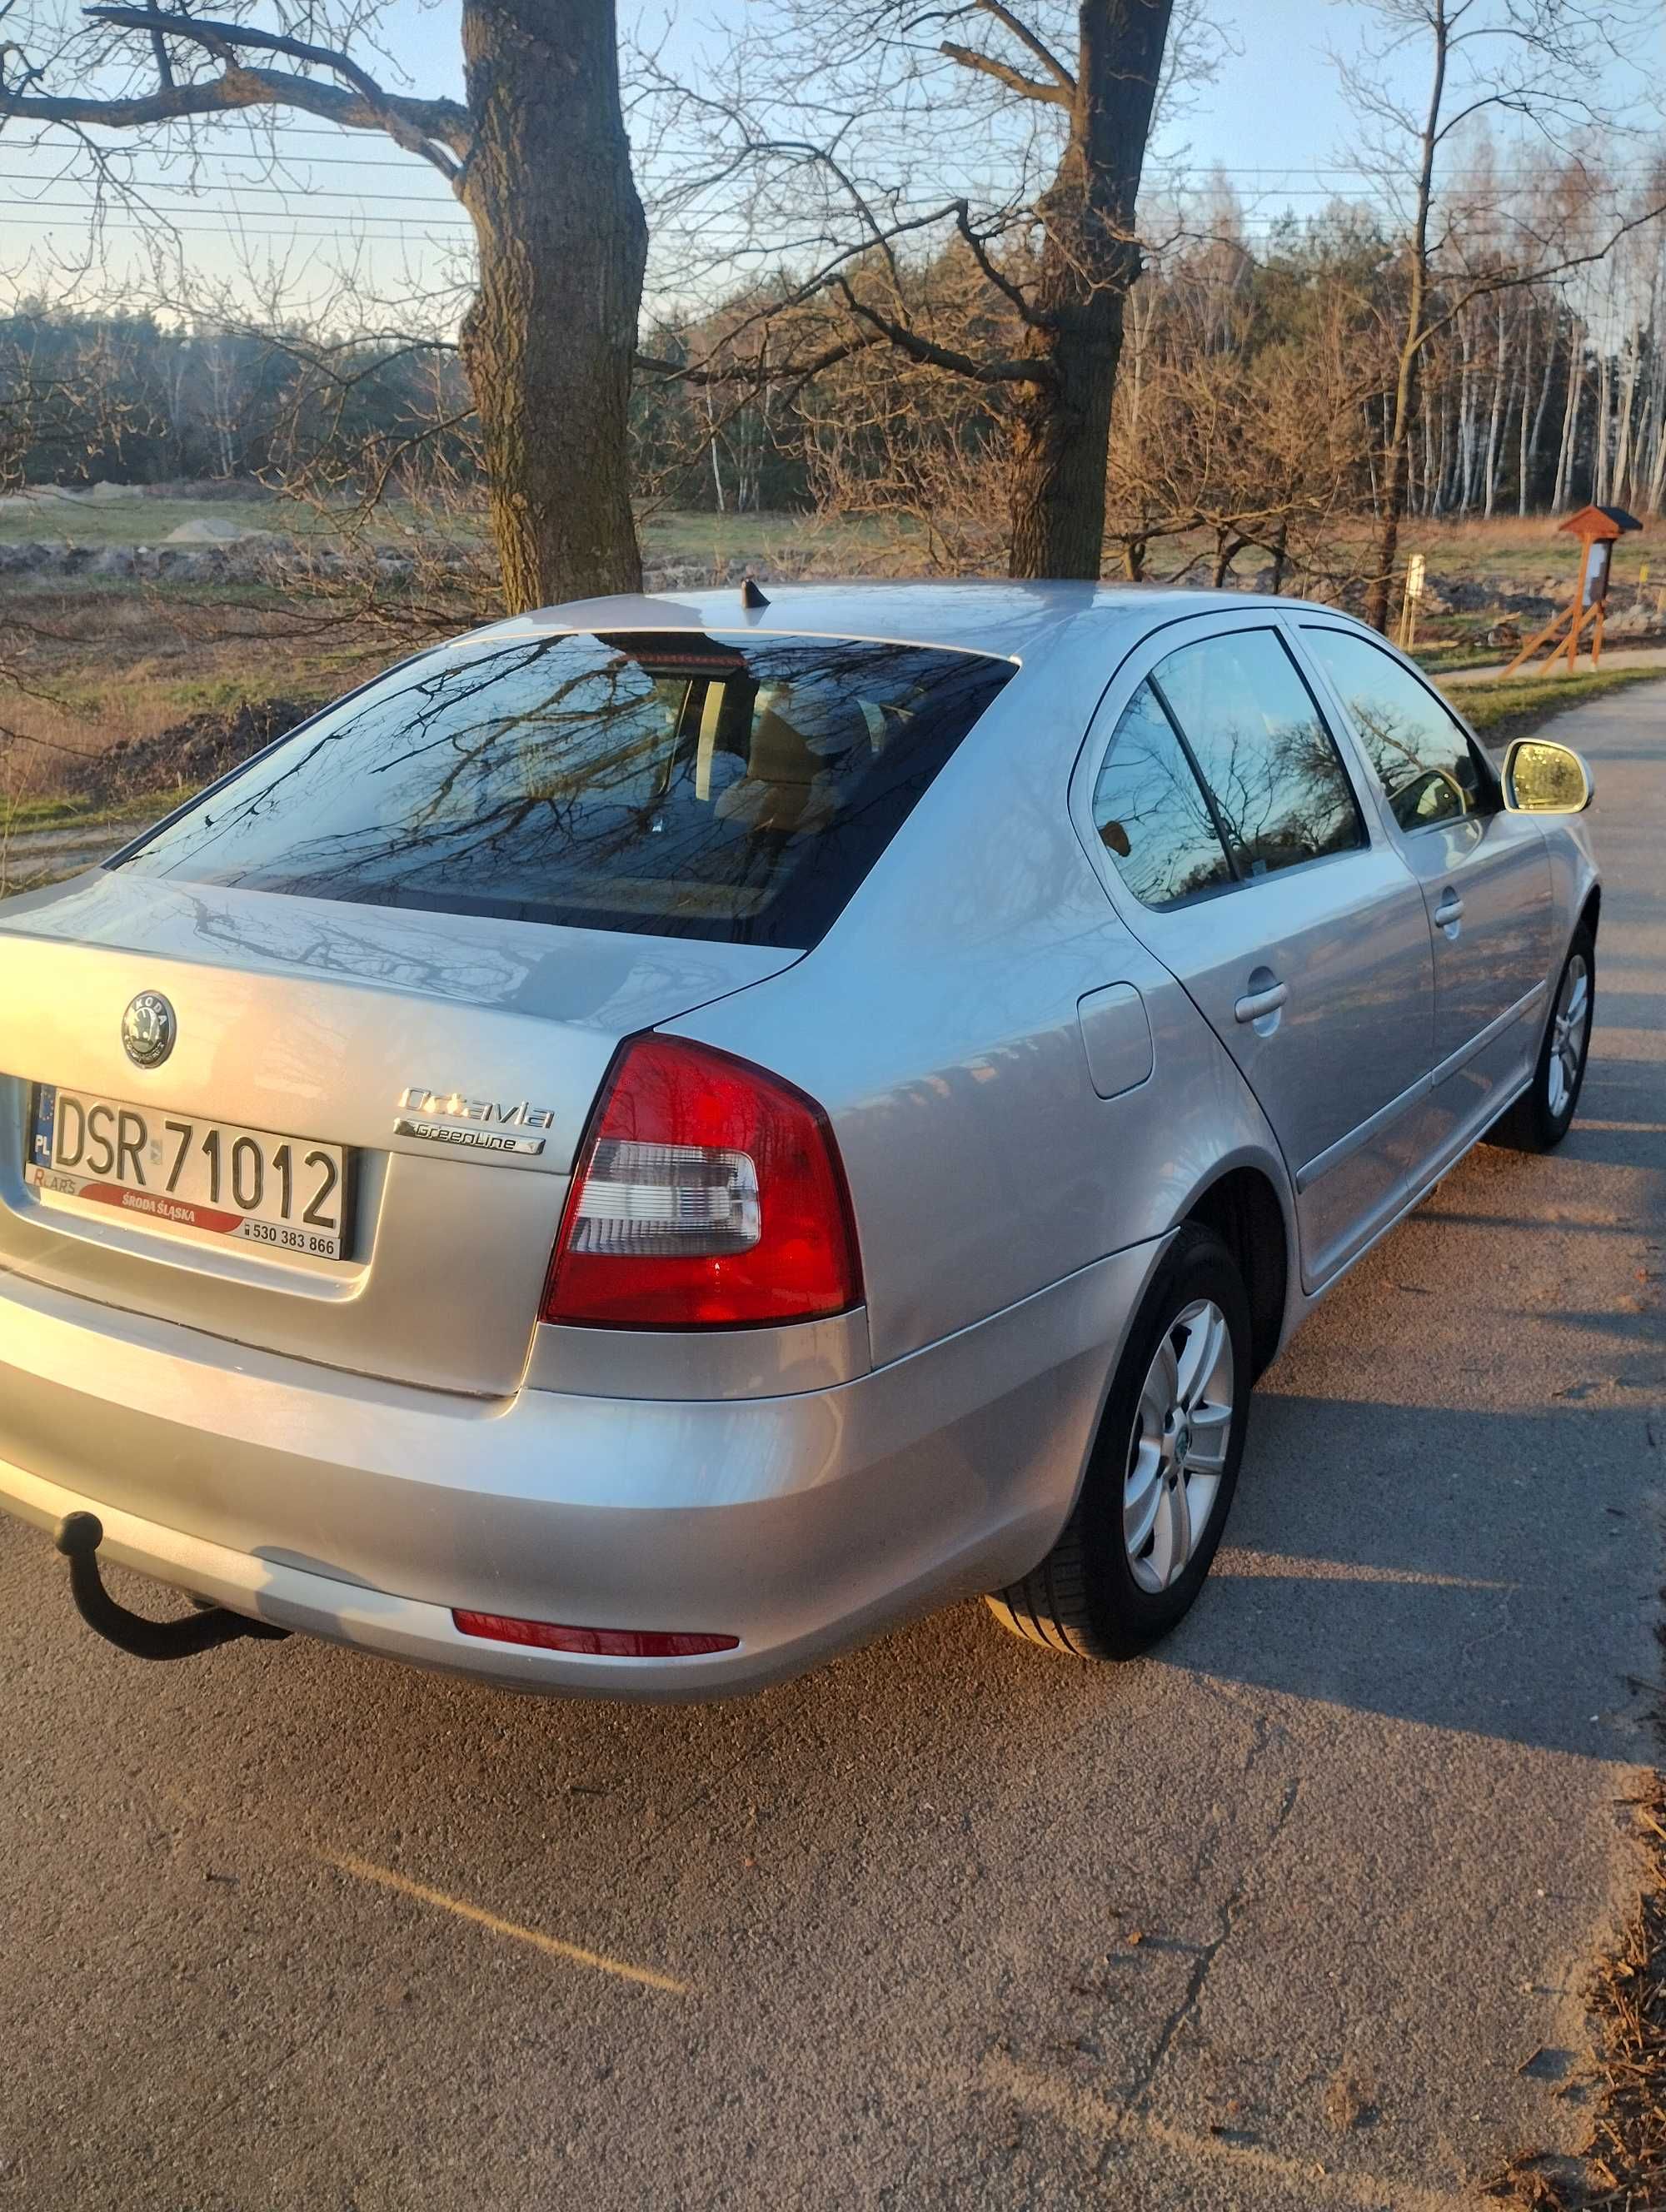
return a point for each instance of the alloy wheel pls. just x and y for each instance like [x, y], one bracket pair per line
[1569, 1033]
[1177, 1453]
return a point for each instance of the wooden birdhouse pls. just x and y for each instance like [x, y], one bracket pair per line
[1595, 528]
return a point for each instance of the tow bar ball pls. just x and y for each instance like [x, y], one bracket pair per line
[78, 1536]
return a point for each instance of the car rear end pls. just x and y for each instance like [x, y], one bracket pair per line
[373, 1263]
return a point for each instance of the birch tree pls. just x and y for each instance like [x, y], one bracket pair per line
[1534, 61]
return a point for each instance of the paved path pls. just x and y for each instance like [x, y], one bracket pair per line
[1614, 656]
[1297, 1915]
[33, 857]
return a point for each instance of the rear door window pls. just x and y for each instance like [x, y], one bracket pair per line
[1150, 813]
[1280, 793]
[672, 783]
[1424, 760]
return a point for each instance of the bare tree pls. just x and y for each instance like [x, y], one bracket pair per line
[537, 154]
[1529, 60]
[1245, 427]
[1038, 116]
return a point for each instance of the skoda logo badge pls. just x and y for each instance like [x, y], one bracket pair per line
[148, 1030]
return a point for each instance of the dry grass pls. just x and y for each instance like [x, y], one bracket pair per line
[1625, 2161]
[81, 669]
[1522, 550]
[95, 660]
[1627, 2154]
[1498, 712]
[690, 534]
[1515, 550]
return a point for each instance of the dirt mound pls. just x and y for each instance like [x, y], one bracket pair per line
[191, 752]
[211, 530]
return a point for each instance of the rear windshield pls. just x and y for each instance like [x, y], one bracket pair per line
[672, 783]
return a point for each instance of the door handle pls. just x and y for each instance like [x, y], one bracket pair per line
[1255, 1004]
[1449, 912]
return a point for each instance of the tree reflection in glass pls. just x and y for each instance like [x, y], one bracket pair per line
[669, 782]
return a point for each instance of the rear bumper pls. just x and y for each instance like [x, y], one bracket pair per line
[365, 1512]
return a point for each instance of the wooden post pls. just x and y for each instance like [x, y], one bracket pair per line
[1581, 617]
[1414, 570]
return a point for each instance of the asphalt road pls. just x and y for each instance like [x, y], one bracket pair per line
[1297, 1914]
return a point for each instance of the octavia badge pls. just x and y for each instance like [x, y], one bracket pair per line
[148, 1030]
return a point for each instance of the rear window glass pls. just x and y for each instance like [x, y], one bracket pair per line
[670, 783]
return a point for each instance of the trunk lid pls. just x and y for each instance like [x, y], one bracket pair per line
[332, 1022]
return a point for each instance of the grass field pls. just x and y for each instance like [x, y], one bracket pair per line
[89, 668]
[1522, 554]
[679, 536]
[88, 660]
[135, 522]
[1499, 712]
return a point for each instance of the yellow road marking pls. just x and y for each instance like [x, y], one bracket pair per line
[574, 1953]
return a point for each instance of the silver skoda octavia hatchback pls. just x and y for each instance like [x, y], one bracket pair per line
[667, 1135]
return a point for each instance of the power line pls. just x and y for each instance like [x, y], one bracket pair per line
[446, 219]
[1205, 172]
[718, 234]
[236, 185]
[89, 214]
[207, 230]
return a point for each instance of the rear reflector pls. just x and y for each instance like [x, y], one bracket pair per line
[600, 1643]
[709, 1193]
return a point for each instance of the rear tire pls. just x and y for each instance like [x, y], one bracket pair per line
[1542, 1116]
[1159, 1481]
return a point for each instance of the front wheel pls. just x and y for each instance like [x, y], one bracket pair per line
[1154, 1499]
[1541, 1117]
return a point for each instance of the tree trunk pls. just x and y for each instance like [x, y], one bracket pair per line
[1494, 420]
[711, 440]
[1656, 477]
[1431, 489]
[1466, 424]
[1576, 379]
[1653, 498]
[1089, 259]
[548, 343]
[1650, 457]
[1392, 496]
[1620, 483]
[1228, 546]
[1531, 461]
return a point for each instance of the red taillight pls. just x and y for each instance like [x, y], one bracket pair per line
[708, 1194]
[607, 1643]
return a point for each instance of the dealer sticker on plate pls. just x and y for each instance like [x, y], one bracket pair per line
[180, 1171]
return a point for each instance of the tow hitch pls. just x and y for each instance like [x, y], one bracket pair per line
[78, 1536]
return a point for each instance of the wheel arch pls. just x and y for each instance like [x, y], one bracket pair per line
[1245, 1208]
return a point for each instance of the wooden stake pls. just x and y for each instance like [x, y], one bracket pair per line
[1532, 646]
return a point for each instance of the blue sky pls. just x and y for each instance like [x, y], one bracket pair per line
[1274, 118]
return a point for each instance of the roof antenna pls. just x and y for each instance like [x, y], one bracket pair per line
[751, 596]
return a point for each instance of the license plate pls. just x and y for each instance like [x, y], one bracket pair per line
[179, 1171]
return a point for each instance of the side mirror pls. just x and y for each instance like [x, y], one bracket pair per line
[1540, 778]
